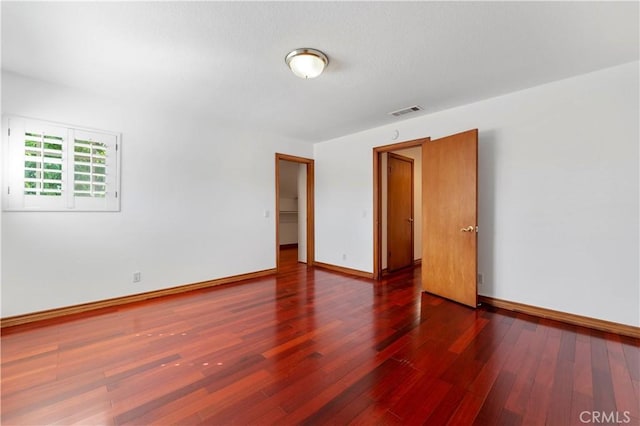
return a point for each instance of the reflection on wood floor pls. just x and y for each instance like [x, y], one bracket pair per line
[314, 347]
[289, 260]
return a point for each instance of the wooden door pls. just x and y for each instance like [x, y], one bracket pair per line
[399, 212]
[449, 212]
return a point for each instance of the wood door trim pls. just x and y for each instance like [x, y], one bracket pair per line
[410, 161]
[310, 205]
[377, 199]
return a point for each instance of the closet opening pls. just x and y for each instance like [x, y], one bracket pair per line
[294, 210]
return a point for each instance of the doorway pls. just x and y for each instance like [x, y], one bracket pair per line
[449, 214]
[411, 149]
[400, 212]
[294, 208]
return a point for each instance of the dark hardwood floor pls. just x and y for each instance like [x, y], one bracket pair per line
[315, 347]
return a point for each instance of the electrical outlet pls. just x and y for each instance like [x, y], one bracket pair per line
[480, 279]
[137, 277]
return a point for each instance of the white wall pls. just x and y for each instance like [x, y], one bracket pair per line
[190, 210]
[558, 193]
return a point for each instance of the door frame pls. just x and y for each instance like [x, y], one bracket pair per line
[411, 162]
[377, 198]
[310, 205]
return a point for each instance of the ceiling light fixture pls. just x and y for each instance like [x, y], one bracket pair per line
[306, 63]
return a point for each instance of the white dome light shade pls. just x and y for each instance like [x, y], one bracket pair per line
[307, 63]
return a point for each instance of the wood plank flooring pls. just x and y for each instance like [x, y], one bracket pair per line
[315, 347]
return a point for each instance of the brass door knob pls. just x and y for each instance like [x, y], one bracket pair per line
[469, 228]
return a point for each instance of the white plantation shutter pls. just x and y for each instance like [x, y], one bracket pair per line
[43, 164]
[44, 155]
[55, 167]
[94, 170]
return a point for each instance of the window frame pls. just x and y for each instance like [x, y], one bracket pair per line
[14, 129]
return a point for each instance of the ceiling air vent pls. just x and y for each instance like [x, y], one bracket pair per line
[407, 110]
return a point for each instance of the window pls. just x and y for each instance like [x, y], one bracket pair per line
[55, 167]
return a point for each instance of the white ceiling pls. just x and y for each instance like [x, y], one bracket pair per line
[225, 60]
